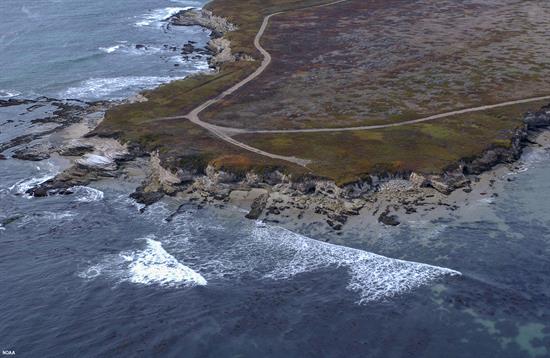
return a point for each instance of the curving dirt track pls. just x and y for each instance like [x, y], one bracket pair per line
[226, 133]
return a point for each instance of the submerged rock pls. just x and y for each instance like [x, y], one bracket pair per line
[257, 207]
[187, 49]
[5, 222]
[387, 219]
[34, 153]
[146, 197]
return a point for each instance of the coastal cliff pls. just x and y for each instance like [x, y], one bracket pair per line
[273, 191]
[347, 168]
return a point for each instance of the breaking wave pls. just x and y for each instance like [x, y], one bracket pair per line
[110, 49]
[373, 276]
[131, 49]
[531, 159]
[260, 252]
[274, 253]
[8, 94]
[150, 266]
[23, 185]
[108, 87]
[87, 195]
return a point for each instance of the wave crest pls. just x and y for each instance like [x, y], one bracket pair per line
[106, 87]
[150, 266]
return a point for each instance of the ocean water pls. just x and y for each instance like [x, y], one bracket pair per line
[88, 275]
[87, 49]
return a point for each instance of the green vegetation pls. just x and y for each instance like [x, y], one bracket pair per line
[179, 142]
[376, 62]
[427, 148]
[322, 76]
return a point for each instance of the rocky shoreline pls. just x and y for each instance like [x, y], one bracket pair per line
[269, 196]
[218, 46]
[272, 196]
[387, 197]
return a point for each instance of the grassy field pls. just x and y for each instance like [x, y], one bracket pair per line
[181, 143]
[428, 148]
[355, 63]
[373, 62]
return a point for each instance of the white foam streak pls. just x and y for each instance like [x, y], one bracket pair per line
[374, 277]
[23, 185]
[87, 194]
[58, 215]
[531, 159]
[110, 49]
[156, 17]
[131, 49]
[104, 87]
[8, 94]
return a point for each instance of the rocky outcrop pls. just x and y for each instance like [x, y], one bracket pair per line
[76, 149]
[418, 180]
[219, 47]
[14, 102]
[539, 119]
[63, 182]
[204, 18]
[498, 154]
[10, 220]
[508, 154]
[32, 153]
[448, 182]
[102, 163]
[159, 182]
[387, 219]
[187, 49]
[222, 49]
[257, 207]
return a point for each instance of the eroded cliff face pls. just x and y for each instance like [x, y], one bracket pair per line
[95, 158]
[331, 198]
[218, 45]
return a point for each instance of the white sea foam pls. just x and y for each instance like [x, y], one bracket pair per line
[58, 215]
[531, 159]
[486, 201]
[8, 93]
[104, 87]
[274, 253]
[23, 185]
[262, 253]
[150, 266]
[194, 4]
[155, 17]
[87, 195]
[110, 49]
[374, 277]
[156, 266]
[131, 49]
